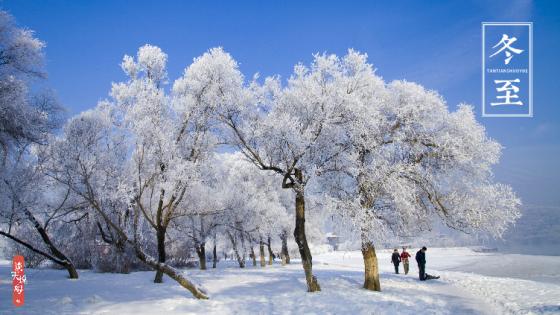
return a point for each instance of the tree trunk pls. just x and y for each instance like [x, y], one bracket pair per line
[253, 256]
[371, 281]
[243, 246]
[66, 262]
[72, 273]
[301, 239]
[261, 252]
[201, 251]
[160, 233]
[233, 241]
[371, 275]
[285, 254]
[270, 253]
[161, 253]
[148, 260]
[123, 260]
[172, 273]
[214, 255]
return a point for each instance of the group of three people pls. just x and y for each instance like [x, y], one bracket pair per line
[397, 258]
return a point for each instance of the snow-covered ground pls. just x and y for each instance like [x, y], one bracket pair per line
[471, 283]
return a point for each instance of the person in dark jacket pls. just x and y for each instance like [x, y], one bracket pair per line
[396, 260]
[421, 260]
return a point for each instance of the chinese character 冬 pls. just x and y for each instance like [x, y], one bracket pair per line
[508, 88]
[506, 42]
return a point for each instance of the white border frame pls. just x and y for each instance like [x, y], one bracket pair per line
[530, 25]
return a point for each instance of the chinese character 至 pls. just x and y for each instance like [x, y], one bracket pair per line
[508, 88]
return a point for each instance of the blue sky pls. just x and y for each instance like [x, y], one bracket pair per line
[434, 43]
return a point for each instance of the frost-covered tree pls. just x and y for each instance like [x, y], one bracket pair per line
[36, 215]
[203, 213]
[157, 142]
[90, 158]
[237, 196]
[413, 161]
[170, 137]
[28, 214]
[267, 212]
[252, 209]
[24, 118]
[293, 131]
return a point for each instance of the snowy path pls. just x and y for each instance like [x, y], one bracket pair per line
[510, 296]
[455, 299]
[502, 283]
[281, 290]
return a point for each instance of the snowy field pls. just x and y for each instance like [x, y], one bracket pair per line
[471, 283]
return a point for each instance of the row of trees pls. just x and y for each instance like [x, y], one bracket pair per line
[155, 171]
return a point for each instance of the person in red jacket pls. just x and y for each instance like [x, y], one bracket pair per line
[404, 259]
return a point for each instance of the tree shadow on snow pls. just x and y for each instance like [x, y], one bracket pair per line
[342, 293]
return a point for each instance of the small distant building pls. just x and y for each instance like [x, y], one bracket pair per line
[333, 240]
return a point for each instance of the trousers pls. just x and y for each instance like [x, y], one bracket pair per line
[422, 271]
